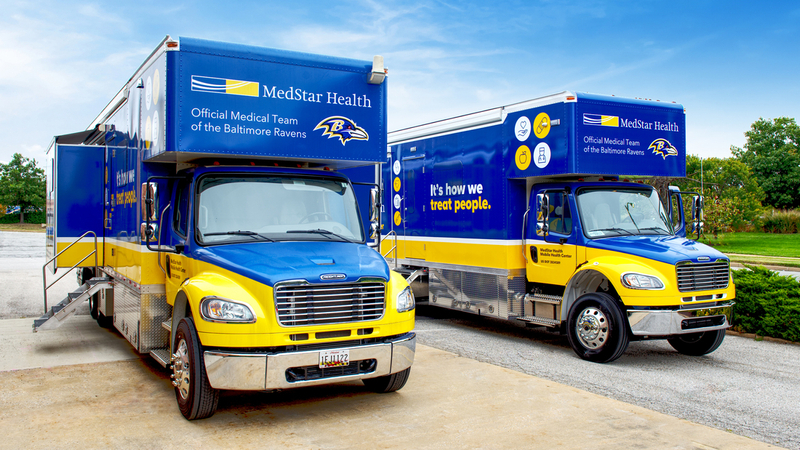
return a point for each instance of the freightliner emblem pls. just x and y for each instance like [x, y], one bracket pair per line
[332, 276]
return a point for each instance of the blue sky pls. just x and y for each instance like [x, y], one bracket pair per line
[728, 62]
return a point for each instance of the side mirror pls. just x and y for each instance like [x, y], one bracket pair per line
[697, 207]
[374, 204]
[149, 233]
[374, 230]
[374, 213]
[543, 215]
[149, 202]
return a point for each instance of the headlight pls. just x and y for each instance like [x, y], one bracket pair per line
[405, 300]
[641, 281]
[215, 309]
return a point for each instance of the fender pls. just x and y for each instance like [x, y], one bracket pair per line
[609, 268]
[247, 291]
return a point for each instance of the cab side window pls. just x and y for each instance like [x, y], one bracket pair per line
[181, 216]
[560, 215]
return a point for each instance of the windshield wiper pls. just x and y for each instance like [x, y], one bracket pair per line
[326, 233]
[655, 228]
[627, 209]
[614, 229]
[252, 234]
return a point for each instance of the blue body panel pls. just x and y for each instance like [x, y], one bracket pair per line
[243, 101]
[489, 164]
[80, 187]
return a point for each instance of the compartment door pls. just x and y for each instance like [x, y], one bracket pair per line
[77, 203]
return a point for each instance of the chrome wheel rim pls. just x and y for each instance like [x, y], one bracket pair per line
[180, 369]
[592, 328]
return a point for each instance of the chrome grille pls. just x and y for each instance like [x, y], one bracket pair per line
[703, 276]
[319, 304]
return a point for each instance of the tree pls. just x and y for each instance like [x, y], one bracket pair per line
[772, 152]
[732, 195]
[23, 184]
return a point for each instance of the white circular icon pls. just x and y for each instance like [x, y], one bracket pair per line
[522, 129]
[397, 201]
[541, 155]
[396, 167]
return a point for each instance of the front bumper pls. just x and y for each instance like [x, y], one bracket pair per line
[689, 319]
[266, 371]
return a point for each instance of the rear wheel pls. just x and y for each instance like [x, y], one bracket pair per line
[196, 398]
[697, 344]
[104, 320]
[388, 383]
[596, 328]
[94, 305]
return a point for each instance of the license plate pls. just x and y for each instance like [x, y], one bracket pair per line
[333, 358]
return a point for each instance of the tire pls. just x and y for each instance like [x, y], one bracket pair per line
[697, 344]
[94, 306]
[196, 398]
[388, 383]
[105, 321]
[596, 328]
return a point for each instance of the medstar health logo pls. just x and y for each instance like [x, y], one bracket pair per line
[342, 128]
[224, 86]
[662, 147]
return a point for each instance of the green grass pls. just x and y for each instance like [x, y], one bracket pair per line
[766, 244]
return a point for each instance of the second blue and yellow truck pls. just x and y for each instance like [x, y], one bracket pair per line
[531, 213]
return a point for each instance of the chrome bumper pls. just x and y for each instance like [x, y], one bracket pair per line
[681, 321]
[265, 371]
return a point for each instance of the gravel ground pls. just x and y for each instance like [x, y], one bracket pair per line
[746, 387]
[22, 255]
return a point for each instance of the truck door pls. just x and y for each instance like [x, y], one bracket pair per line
[414, 205]
[176, 264]
[551, 256]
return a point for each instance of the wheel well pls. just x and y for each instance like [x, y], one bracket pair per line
[180, 310]
[585, 282]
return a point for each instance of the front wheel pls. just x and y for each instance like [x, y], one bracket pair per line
[596, 328]
[196, 398]
[697, 344]
[388, 383]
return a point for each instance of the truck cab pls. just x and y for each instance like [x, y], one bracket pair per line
[263, 265]
[618, 258]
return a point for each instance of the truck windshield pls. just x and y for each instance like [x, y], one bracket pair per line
[276, 208]
[607, 212]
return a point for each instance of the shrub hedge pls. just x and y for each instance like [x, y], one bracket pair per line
[31, 217]
[767, 303]
[781, 221]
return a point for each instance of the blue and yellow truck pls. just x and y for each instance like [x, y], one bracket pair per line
[525, 213]
[206, 215]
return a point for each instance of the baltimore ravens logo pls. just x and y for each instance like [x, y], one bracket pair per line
[662, 147]
[342, 128]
